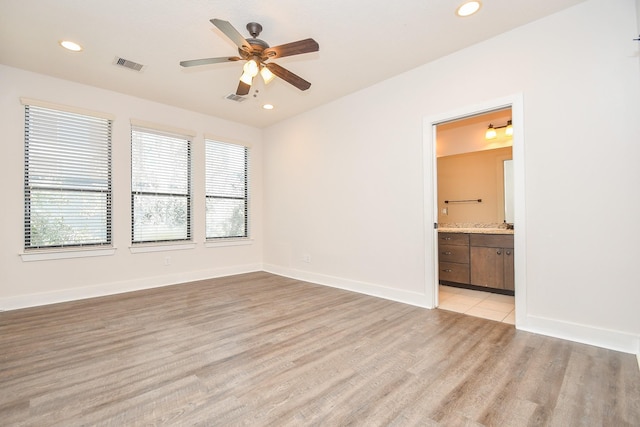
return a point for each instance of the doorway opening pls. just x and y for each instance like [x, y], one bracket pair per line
[475, 223]
[477, 206]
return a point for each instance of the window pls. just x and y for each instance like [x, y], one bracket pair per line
[226, 190]
[67, 189]
[160, 186]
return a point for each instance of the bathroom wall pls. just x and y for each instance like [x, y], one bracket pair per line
[472, 176]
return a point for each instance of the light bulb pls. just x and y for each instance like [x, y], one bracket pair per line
[509, 130]
[491, 133]
[69, 45]
[468, 8]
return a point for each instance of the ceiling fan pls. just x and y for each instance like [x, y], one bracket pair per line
[257, 52]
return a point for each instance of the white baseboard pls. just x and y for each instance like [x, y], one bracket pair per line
[585, 334]
[64, 295]
[406, 297]
[605, 338]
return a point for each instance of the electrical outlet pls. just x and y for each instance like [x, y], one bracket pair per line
[167, 260]
[306, 258]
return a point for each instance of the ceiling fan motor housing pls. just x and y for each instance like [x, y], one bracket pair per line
[254, 29]
[257, 45]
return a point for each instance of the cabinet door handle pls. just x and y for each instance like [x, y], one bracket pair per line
[446, 238]
[448, 253]
[447, 270]
[508, 252]
[499, 252]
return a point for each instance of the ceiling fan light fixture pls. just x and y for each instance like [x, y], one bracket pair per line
[251, 68]
[468, 8]
[267, 75]
[246, 78]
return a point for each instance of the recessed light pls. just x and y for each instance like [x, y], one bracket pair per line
[468, 8]
[69, 45]
[267, 107]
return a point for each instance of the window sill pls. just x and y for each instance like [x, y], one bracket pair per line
[44, 255]
[227, 242]
[155, 247]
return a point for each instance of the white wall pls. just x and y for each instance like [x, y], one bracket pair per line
[39, 282]
[344, 183]
[638, 13]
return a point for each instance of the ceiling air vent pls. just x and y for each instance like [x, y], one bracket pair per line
[236, 98]
[128, 64]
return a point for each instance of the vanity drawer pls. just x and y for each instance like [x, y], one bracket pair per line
[454, 272]
[453, 239]
[453, 253]
[492, 240]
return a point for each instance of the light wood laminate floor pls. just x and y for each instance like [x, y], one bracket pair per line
[259, 349]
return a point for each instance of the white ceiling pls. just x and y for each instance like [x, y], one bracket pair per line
[362, 42]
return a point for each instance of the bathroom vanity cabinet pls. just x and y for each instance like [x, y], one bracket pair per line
[453, 256]
[477, 260]
[491, 260]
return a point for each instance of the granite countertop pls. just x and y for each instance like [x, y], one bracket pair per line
[474, 230]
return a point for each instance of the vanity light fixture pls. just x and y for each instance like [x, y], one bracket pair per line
[491, 130]
[468, 8]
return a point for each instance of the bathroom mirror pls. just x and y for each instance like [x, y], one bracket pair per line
[471, 188]
[508, 191]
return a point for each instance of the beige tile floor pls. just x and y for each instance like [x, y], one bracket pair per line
[477, 303]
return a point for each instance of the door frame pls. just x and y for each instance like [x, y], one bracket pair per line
[515, 101]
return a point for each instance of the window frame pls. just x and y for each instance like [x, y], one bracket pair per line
[54, 118]
[209, 163]
[159, 132]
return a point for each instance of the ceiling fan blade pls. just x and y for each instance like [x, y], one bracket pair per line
[232, 33]
[243, 88]
[288, 76]
[293, 48]
[205, 61]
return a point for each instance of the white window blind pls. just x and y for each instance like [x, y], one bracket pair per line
[160, 186]
[226, 190]
[67, 179]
